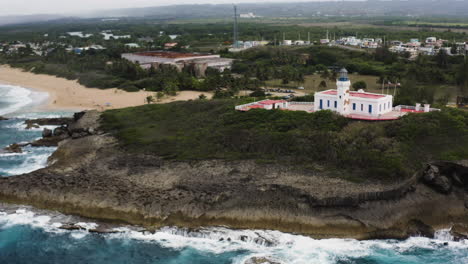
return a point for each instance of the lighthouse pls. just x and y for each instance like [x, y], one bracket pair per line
[343, 85]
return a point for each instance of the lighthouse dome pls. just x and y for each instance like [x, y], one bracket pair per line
[343, 75]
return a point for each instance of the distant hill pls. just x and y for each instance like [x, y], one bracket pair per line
[7, 20]
[334, 8]
[446, 8]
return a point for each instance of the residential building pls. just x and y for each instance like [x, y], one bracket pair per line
[197, 62]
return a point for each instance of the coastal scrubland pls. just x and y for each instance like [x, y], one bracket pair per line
[199, 130]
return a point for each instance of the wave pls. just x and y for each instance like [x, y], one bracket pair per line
[35, 159]
[273, 245]
[15, 98]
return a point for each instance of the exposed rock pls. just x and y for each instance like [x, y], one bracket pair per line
[260, 260]
[431, 173]
[92, 176]
[76, 135]
[85, 123]
[60, 131]
[72, 227]
[459, 232]
[35, 123]
[3, 118]
[13, 148]
[442, 184]
[47, 142]
[418, 228]
[46, 133]
[102, 231]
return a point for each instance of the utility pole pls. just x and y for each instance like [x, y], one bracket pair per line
[236, 34]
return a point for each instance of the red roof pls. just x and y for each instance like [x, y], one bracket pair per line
[358, 94]
[270, 102]
[406, 110]
[170, 54]
[256, 106]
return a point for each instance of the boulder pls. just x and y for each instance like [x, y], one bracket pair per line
[60, 131]
[431, 173]
[13, 148]
[260, 260]
[457, 180]
[71, 227]
[46, 133]
[442, 184]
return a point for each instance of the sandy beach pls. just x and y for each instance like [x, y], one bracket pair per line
[68, 94]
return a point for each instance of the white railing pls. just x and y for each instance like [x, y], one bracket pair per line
[301, 103]
[412, 107]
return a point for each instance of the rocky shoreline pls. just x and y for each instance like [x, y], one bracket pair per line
[92, 176]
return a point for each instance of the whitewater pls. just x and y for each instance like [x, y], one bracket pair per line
[29, 235]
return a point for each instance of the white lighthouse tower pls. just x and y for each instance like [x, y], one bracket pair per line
[343, 93]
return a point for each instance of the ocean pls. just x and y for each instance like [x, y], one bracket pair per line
[29, 235]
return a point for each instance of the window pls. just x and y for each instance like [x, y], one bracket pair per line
[328, 103]
[389, 106]
[321, 104]
[380, 108]
[354, 106]
[362, 107]
[370, 109]
[336, 104]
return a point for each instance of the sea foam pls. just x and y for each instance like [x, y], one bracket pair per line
[14, 97]
[273, 245]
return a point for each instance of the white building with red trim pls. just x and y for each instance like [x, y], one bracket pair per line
[349, 103]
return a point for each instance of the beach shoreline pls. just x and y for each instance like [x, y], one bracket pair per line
[66, 94]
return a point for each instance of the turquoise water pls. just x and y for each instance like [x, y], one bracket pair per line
[31, 236]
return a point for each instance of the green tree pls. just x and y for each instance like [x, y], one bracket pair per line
[159, 96]
[359, 85]
[149, 99]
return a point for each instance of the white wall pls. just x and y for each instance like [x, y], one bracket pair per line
[379, 106]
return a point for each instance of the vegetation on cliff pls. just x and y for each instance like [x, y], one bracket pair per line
[201, 129]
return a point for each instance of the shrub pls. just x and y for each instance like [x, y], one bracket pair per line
[359, 85]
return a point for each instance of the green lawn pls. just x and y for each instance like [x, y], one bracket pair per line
[312, 82]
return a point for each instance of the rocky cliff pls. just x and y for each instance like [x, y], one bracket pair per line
[90, 175]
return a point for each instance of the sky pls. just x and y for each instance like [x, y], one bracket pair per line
[27, 7]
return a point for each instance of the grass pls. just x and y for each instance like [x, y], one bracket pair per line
[311, 83]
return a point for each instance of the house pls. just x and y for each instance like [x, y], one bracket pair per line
[170, 45]
[109, 36]
[132, 45]
[346, 102]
